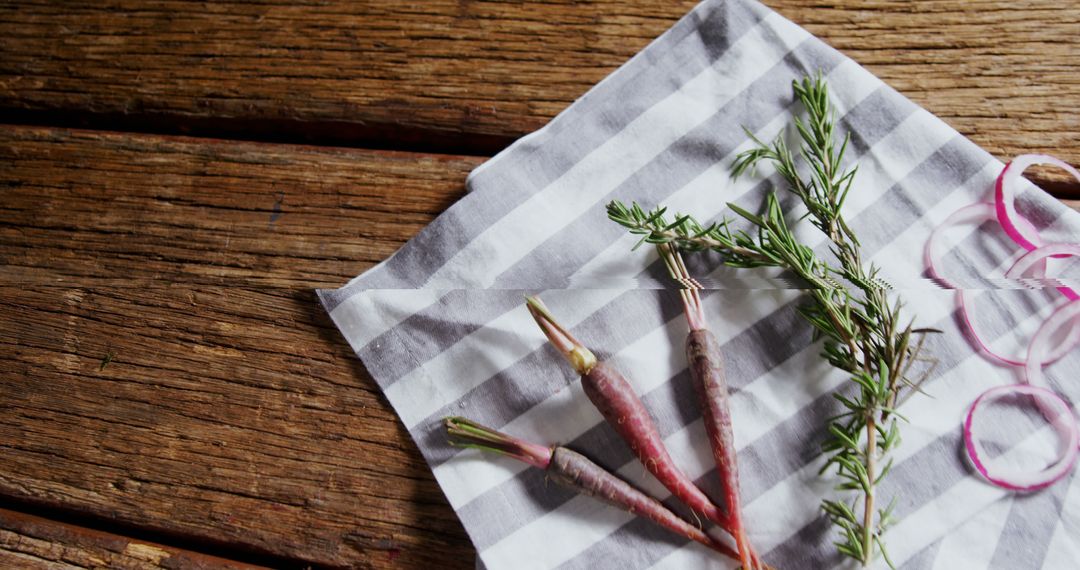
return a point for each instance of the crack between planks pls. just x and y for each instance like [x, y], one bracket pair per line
[320, 133]
[244, 554]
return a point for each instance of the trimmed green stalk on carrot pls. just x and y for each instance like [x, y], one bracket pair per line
[617, 402]
[706, 364]
[575, 471]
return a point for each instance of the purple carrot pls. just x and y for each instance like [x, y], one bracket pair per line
[575, 471]
[616, 400]
[706, 364]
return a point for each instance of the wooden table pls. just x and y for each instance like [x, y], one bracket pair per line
[176, 178]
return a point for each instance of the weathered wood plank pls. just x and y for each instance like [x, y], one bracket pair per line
[32, 542]
[166, 364]
[478, 67]
[1001, 72]
[217, 414]
[89, 207]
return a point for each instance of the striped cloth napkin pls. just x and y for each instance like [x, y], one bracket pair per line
[442, 328]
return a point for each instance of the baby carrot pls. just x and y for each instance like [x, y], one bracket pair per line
[705, 360]
[616, 400]
[575, 471]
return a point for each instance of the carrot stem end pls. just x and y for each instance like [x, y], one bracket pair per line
[464, 432]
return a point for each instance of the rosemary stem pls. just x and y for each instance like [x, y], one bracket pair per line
[868, 500]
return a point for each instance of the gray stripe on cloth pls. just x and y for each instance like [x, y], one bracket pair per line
[1030, 527]
[924, 559]
[502, 401]
[432, 330]
[903, 205]
[768, 453]
[626, 545]
[793, 444]
[771, 455]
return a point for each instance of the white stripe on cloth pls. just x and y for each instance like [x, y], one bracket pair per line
[955, 506]
[365, 316]
[783, 510]
[775, 515]
[1064, 550]
[429, 387]
[424, 397]
[966, 547]
[578, 189]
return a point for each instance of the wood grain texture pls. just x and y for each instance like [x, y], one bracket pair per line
[165, 364]
[1001, 72]
[165, 361]
[218, 414]
[30, 542]
[96, 208]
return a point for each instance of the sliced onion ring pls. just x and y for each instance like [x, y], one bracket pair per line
[935, 250]
[1039, 352]
[971, 214]
[966, 301]
[1033, 259]
[1005, 196]
[1064, 422]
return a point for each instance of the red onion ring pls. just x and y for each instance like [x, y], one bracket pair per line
[1039, 351]
[966, 302]
[1005, 196]
[971, 214]
[1039, 254]
[1064, 422]
[1056, 410]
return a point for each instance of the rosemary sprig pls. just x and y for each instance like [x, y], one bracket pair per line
[864, 333]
